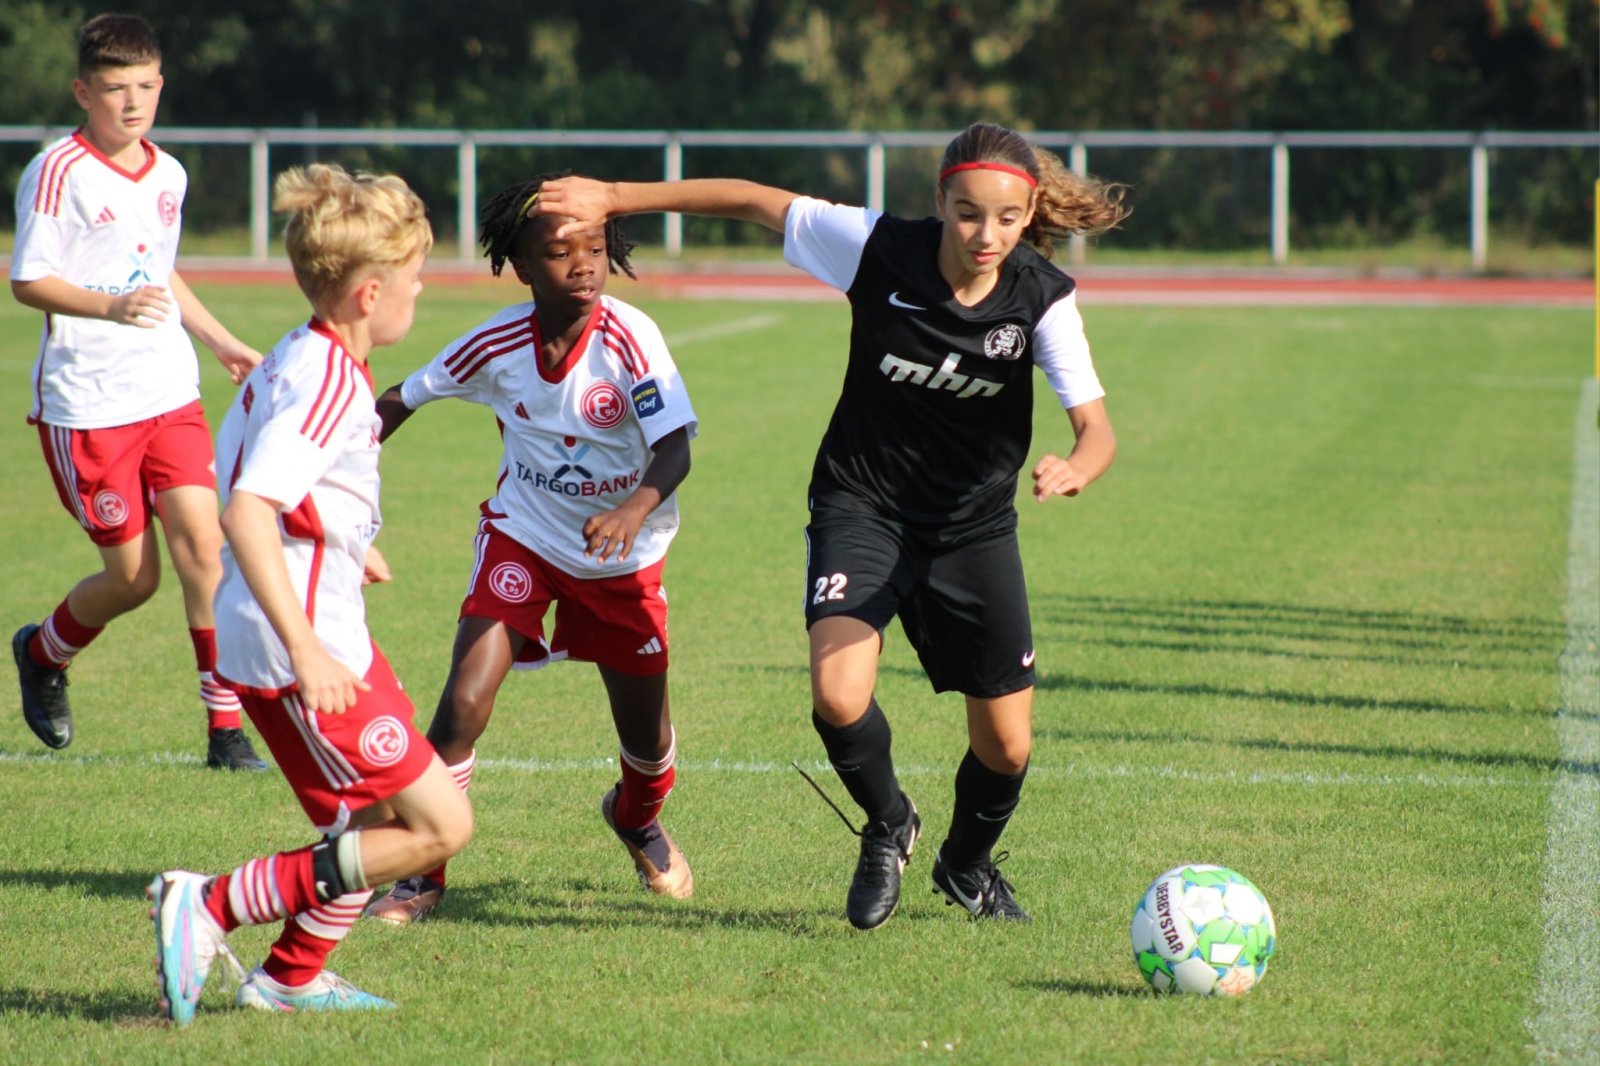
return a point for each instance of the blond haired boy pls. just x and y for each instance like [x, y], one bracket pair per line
[298, 465]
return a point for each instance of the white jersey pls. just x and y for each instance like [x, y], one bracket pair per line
[578, 437]
[85, 220]
[303, 432]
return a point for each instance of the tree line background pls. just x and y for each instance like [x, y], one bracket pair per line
[892, 64]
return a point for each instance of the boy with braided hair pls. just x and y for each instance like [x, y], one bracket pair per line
[596, 424]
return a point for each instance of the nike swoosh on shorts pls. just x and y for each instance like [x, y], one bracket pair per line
[1027, 660]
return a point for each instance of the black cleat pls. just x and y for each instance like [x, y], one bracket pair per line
[885, 850]
[230, 749]
[44, 694]
[981, 890]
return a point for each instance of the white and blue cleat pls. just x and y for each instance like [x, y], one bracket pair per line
[188, 941]
[328, 991]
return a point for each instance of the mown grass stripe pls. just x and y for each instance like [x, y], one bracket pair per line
[1567, 1027]
[756, 766]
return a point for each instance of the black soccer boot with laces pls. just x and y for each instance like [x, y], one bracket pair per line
[982, 890]
[44, 694]
[885, 850]
[230, 749]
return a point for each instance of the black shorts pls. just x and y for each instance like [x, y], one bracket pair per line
[964, 609]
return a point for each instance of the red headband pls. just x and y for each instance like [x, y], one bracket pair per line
[1033, 182]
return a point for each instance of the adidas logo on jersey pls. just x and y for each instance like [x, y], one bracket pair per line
[965, 387]
[104, 216]
[651, 648]
[520, 411]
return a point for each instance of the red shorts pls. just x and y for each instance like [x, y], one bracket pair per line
[340, 763]
[108, 478]
[618, 622]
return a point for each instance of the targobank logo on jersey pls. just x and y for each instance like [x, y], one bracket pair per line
[137, 279]
[646, 398]
[572, 455]
[141, 266]
[965, 387]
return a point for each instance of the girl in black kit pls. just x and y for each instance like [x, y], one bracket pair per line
[912, 493]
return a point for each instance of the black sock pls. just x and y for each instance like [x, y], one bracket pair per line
[984, 802]
[859, 753]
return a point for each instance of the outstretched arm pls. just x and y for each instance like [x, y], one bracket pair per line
[588, 203]
[1091, 455]
[393, 412]
[614, 531]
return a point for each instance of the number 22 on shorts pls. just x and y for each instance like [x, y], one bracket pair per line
[830, 588]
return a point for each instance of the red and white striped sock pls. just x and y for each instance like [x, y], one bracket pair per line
[222, 704]
[310, 936]
[263, 891]
[462, 772]
[60, 638]
[645, 786]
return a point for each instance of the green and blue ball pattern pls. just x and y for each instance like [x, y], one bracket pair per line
[1203, 930]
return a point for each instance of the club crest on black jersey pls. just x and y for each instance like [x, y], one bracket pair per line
[936, 415]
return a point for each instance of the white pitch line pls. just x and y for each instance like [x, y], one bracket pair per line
[1567, 1028]
[1071, 771]
[723, 329]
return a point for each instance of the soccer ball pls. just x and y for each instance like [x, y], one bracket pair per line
[1204, 930]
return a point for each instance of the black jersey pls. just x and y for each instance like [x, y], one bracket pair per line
[936, 415]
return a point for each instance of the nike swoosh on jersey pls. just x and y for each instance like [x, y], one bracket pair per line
[1027, 660]
[895, 301]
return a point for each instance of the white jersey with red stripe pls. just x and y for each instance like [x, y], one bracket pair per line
[303, 433]
[87, 221]
[577, 437]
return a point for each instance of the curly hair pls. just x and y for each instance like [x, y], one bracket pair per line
[502, 217]
[1064, 203]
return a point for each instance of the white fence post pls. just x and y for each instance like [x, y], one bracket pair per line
[1480, 206]
[467, 199]
[260, 205]
[1280, 202]
[875, 176]
[674, 172]
[1078, 162]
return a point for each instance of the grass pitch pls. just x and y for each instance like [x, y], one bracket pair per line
[1307, 627]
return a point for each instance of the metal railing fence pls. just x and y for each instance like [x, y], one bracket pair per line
[1075, 144]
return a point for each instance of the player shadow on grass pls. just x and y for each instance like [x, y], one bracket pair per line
[1070, 682]
[516, 903]
[102, 884]
[1281, 630]
[1507, 760]
[122, 1007]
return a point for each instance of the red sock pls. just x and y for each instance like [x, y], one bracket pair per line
[263, 891]
[645, 786]
[222, 704]
[462, 772]
[302, 950]
[60, 638]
